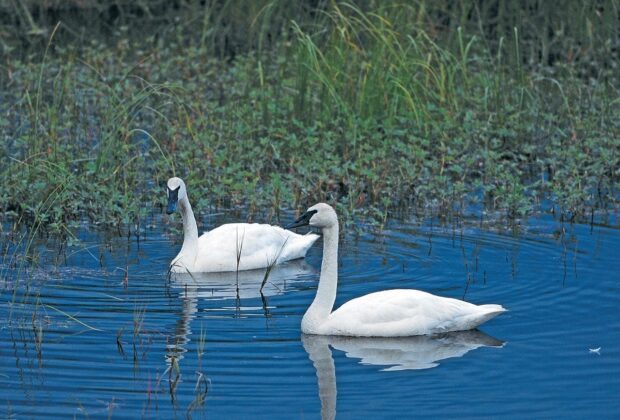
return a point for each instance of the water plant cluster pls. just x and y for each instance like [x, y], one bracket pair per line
[371, 106]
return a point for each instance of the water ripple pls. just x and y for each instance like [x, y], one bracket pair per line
[109, 332]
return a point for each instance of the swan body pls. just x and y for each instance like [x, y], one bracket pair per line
[389, 313]
[256, 245]
[402, 313]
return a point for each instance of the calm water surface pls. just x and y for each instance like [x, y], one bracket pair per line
[80, 338]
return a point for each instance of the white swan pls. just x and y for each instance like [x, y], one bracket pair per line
[389, 313]
[256, 245]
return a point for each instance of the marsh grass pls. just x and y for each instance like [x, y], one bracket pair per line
[201, 389]
[119, 342]
[425, 107]
[201, 345]
[174, 376]
[238, 251]
[37, 328]
[270, 264]
[138, 325]
[72, 318]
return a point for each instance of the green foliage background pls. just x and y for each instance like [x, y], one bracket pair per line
[374, 106]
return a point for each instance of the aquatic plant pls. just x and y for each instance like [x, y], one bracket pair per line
[373, 107]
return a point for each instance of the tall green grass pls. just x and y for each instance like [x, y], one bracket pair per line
[374, 106]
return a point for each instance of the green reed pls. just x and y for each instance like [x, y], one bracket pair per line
[372, 106]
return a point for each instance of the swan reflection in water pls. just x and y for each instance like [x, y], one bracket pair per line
[399, 353]
[232, 289]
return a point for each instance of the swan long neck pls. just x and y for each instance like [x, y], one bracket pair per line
[190, 230]
[323, 303]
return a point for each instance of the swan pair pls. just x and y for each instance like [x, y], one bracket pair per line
[389, 313]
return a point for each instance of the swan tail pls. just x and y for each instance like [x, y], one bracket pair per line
[494, 309]
[488, 312]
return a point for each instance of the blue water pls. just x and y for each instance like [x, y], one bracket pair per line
[200, 350]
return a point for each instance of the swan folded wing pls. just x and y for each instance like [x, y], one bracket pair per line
[402, 313]
[273, 242]
[259, 246]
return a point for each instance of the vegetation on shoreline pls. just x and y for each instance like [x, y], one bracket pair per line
[371, 106]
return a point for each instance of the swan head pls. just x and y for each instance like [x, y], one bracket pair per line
[320, 215]
[175, 189]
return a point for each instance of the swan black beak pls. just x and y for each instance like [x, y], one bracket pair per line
[302, 220]
[173, 199]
